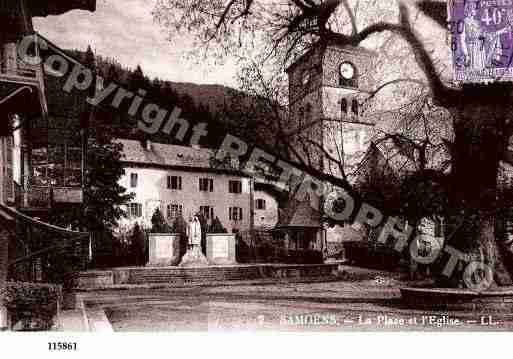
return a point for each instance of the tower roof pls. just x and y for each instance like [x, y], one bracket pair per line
[299, 215]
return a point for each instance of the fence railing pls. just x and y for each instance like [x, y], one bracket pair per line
[33, 197]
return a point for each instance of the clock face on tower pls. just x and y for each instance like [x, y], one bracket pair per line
[347, 70]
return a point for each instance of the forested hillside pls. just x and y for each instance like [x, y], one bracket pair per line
[225, 109]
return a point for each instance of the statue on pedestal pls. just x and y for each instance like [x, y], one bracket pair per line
[194, 256]
[194, 233]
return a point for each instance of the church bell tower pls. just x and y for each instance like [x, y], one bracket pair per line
[327, 88]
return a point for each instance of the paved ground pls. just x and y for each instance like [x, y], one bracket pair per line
[360, 305]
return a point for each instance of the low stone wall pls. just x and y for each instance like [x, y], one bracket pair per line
[95, 279]
[203, 275]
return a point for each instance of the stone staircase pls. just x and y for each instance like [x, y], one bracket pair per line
[195, 275]
[176, 276]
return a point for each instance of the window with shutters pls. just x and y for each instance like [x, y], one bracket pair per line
[206, 185]
[133, 180]
[174, 182]
[235, 214]
[174, 211]
[235, 186]
[135, 210]
[207, 212]
[260, 204]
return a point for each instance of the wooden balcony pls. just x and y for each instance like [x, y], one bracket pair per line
[42, 198]
[67, 195]
[20, 74]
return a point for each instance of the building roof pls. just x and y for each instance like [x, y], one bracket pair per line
[299, 215]
[164, 154]
[172, 156]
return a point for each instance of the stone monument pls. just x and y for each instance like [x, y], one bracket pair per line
[164, 249]
[221, 248]
[194, 256]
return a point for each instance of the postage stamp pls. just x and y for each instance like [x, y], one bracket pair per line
[481, 40]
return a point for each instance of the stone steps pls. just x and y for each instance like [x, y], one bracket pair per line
[202, 275]
[210, 274]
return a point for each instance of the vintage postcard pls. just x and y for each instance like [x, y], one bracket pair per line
[335, 166]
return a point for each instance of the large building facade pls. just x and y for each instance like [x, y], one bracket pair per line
[183, 181]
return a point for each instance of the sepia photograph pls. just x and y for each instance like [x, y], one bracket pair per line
[260, 166]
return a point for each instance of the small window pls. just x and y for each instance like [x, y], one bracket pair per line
[354, 107]
[133, 180]
[135, 210]
[235, 214]
[174, 211]
[174, 182]
[260, 204]
[207, 212]
[206, 185]
[235, 186]
[343, 107]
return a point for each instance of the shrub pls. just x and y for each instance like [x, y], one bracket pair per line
[216, 227]
[158, 223]
[34, 306]
[180, 226]
[138, 244]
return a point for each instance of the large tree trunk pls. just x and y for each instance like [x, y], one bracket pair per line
[480, 140]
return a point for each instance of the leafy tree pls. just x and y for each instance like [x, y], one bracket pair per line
[138, 245]
[180, 226]
[216, 227]
[89, 58]
[137, 80]
[103, 196]
[480, 115]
